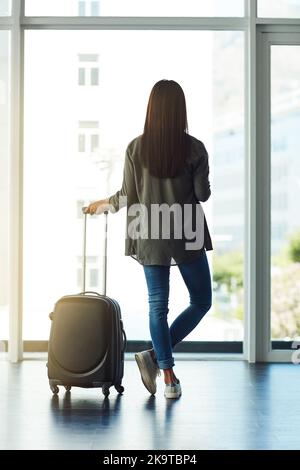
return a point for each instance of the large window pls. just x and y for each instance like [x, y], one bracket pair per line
[285, 189]
[87, 78]
[4, 181]
[65, 161]
[135, 8]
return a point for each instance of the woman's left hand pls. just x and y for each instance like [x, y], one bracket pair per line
[97, 207]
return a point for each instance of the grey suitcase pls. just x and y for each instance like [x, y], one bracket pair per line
[87, 339]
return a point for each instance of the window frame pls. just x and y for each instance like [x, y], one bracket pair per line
[268, 350]
[17, 23]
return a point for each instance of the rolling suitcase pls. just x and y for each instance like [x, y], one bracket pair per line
[87, 339]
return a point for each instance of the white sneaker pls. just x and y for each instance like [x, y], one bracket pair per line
[173, 390]
[148, 369]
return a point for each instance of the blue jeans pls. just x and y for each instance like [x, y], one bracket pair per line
[196, 276]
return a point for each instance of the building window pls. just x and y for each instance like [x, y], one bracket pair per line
[280, 202]
[94, 142]
[80, 205]
[88, 57]
[81, 76]
[81, 8]
[92, 272]
[88, 70]
[81, 143]
[279, 144]
[79, 277]
[94, 277]
[94, 8]
[88, 8]
[88, 136]
[94, 76]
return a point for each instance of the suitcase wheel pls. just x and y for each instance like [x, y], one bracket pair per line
[119, 388]
[105, 390]
[68, 388]
[54, 389]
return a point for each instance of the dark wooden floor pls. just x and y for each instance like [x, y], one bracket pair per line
[225, 405]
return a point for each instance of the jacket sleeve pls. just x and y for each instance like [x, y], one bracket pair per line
[125, 194]
[201, 176]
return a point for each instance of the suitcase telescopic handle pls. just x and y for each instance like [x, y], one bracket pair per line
[104, 265]
[90, 292]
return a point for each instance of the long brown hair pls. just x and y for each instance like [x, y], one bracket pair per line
[164, 144]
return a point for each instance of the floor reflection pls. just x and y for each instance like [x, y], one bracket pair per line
[84, 412]
[163, 420]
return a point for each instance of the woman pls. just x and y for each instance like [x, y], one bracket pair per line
[166, 174]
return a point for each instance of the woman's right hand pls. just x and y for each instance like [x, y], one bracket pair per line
[97, 207]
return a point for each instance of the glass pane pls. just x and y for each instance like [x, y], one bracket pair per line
[279, 8]
[61, 169]
[4, 183]
[5, 7]
[134, 8]
[285, 190]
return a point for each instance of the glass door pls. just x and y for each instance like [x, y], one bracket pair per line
[280, 185]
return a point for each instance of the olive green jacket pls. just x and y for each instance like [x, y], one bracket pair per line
[141, 188]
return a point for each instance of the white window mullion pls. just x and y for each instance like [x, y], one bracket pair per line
[250, 184]
[16, 189]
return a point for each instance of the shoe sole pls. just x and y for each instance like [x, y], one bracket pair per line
[144, 376]
[173, 395]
